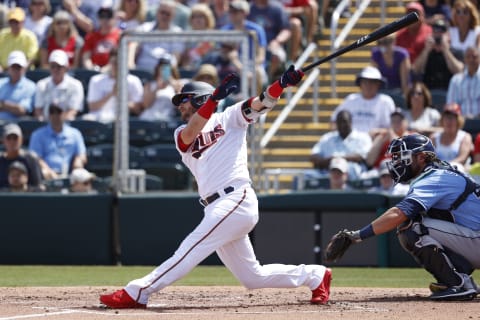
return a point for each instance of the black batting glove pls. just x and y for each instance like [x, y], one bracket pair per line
[291, 77]
[228, 85]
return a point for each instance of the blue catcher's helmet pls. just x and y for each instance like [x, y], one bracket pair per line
[401, 151]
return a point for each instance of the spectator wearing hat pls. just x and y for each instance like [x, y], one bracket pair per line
[158, 93]
[145, 55]
[17, 177]
[421, 115]
[102, 94]
[379, 147]
[59, 89]
[100, 42]
[38, 19]
[61, 148]
[16, 91]
[465, 29]
[393, 62]
[338, 174]
[239, 21]
[451, 143]
[273, 17]
[16, 37]
[438, 61]
[413, 37]
[464, 87]
[370, 109]
[62, 34]
[12, 139]
[387, 185]
[81, 181]
[345, 142]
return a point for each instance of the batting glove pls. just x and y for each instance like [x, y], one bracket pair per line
[228, 85]
[291, 77]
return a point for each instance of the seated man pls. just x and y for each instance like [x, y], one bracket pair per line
[59, 89]
[60, 147]
[345, 142]
[12, 141]
[16, 91]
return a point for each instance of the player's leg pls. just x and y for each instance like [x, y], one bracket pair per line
[432, 255]
[220, 225]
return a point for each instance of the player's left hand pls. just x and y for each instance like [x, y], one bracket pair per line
[228, 85]
[291, 77]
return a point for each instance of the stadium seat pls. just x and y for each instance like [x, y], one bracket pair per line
[472, 126]
[397, 96]
[145, 76]
[163, 160]
[143, 132]
[83, 75]
[56, 185]
[28, 126]
[37, 74]
[100, 159]
[94, 132]
[439, 98]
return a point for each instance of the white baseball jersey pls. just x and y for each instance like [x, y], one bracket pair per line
[218, 159]
[218, 156]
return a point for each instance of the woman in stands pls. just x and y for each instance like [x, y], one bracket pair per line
[62, 35]
[393, 62]
[465, 29]
[131, 13]
[158, 93]
[38, 19]
[421, 116]
[453, 144]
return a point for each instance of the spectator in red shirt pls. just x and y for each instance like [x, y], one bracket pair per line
[414, 36]
[99, 43]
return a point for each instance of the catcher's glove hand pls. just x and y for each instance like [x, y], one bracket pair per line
[339, 244]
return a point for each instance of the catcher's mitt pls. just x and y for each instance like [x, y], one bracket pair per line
[338, 245]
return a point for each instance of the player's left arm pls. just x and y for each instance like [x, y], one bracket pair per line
[268, 99]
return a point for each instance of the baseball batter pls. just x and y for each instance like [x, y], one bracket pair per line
[213, 146]
[438, 222]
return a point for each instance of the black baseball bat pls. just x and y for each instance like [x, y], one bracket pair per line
[381, 32]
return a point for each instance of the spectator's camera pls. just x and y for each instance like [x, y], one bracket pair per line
[438, 39]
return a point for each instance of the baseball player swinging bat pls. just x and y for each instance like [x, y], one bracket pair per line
[375, 35]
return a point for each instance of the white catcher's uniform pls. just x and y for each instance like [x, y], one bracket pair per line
[218, 160]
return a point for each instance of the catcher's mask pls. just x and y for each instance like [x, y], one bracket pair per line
[401, 150]
[196, 91]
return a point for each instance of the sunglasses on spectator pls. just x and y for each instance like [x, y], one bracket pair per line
[12, 137]
[464, 12]
[165, 13]
[36, 3]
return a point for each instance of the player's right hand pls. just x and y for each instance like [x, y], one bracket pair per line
[228, 85]
[291, 77]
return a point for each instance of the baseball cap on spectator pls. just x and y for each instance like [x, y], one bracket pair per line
[440, 25]
[17, 165]
[81, 175]
[12, 128]
[240, 5]
[59, 57]
[398, 112]
[105, 12]
[62, 15]
[383, 169]
[370, 73]
[17, 57]
[452, 108]
[415, 6]
[338, 164]
[17, 14]
[206, 70]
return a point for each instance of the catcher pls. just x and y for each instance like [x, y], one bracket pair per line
[438, 222]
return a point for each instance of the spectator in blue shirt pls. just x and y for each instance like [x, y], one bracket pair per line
[61, 148]
[16, 91]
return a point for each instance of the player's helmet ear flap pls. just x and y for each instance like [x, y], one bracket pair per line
[401, 151]
[198, 93]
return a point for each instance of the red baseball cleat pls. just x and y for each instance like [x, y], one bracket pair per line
[120, 300]
[322, 293]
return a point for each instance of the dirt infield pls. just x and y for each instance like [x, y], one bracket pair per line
[185, 302]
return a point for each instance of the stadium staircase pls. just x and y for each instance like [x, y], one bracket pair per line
[290, 147]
